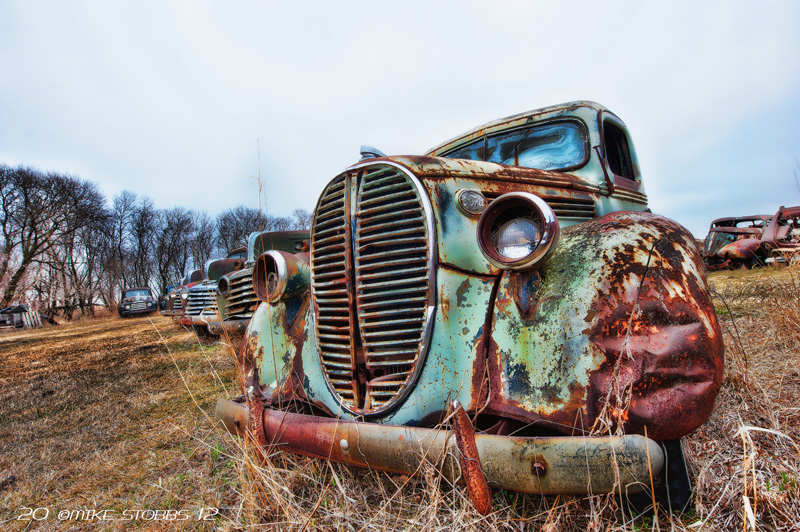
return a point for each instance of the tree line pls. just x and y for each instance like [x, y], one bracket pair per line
[64, 250]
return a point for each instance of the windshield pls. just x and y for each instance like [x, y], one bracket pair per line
[137, 293]
[552, 146]
[716, 240]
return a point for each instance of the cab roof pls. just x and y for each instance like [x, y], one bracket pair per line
[588, 109]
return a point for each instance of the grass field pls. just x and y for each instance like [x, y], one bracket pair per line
[105, 425]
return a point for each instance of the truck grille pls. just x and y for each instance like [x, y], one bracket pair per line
[565, 207]
[139, 305]
[372, 284]
[202, 297]
[241, 300]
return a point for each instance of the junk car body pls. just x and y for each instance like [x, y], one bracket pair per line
[174, 300]
[511, 280]
[200, 300]
[137, 301]
[733, 242]
[236, 299]
[780, 242]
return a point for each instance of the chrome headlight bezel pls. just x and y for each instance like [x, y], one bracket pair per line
[526, 208]
[223, 285]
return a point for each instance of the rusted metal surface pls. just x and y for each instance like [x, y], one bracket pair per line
[289, 241]
[239, 301]
[781, 239]
[238, 304]
[229, 327]
[633, 319]
[479, 492]
[612, 333]
[571, 464]
[547, 347]
[733, 242]
[215, 268]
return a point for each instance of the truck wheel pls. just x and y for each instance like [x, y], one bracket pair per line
[673, 487]
[755, 262]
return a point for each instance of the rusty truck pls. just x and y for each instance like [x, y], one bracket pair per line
[504, 306]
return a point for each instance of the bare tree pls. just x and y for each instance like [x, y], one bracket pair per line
[302, 219]
[234, 225]
[173, 246]
[203, 238]
[46, 209]
[144, 221]
[124, 207]
[9, 198]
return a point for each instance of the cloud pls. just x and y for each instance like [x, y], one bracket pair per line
[175, 100]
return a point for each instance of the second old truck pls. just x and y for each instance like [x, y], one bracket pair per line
[504, 306]
[236, 298]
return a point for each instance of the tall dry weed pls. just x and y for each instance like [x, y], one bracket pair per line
[746, 457]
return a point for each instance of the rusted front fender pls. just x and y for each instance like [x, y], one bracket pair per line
[617, 328]
[579, 465]
[740, 250]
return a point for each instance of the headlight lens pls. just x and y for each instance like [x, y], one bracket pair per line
[517, 238]
[184, 292]
[127, 307]
[518, 231]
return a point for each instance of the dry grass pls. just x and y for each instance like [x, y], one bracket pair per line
[120, 431]
[746, 457]
[94, 416]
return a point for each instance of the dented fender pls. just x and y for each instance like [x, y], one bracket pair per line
[620, 321]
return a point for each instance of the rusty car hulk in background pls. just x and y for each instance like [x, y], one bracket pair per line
[753, 240]
[733, 242]
[781, 239]
[236, 300]
[511, 280]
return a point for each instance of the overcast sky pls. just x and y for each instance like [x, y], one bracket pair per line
[172, 99]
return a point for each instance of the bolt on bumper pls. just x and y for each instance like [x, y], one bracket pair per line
[551, 465]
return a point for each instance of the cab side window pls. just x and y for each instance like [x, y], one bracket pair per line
[617, 150]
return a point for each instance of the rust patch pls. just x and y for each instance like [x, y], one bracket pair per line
[477, 487]
[654, 324]
[661, 355]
